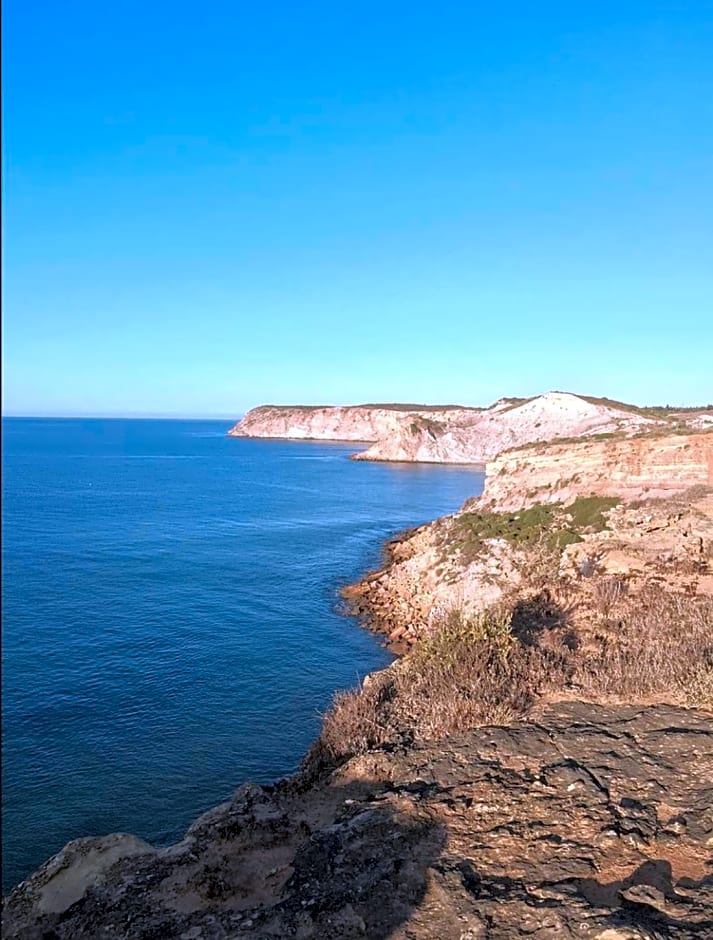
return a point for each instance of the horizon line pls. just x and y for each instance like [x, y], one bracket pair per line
[133, 416]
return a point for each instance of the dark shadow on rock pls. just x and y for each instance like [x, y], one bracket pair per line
[650, 899]
[647, 901]
[367, 872]
[535, 617]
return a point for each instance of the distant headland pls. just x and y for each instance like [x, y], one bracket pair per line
[457, 434]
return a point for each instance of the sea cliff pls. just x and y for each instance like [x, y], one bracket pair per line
[583, 493]
[652, 465]
[453, 434]
[362, 423]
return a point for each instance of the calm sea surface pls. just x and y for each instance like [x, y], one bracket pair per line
[170, 624]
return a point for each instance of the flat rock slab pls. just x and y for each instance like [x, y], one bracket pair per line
[591, 822]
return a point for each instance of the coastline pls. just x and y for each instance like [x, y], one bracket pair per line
[359, 601]
[275, 610]
[466, 436]
[321, 853]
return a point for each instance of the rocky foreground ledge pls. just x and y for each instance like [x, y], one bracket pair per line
[583, 822]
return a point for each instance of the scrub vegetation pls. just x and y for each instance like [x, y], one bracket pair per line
[553, 525]
[603, 643]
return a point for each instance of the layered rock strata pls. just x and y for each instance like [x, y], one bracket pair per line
[641, 467]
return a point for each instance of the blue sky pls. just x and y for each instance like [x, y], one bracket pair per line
[210, 206]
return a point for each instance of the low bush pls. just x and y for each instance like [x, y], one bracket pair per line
[551, 524]
[587, 512]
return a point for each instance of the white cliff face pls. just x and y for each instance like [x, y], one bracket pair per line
[339, 423]
[481, 436]
[448, 434]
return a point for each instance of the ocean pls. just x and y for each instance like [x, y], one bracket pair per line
[171, 623]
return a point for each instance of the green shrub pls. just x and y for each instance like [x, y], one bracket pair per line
[549, 523]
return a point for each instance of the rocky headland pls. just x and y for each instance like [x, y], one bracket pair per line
[362, 423]
[453, 434]
[538, 764]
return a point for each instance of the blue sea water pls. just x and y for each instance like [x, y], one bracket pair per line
[170, 615]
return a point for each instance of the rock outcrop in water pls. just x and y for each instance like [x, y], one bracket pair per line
[452, 434]
[586, 822]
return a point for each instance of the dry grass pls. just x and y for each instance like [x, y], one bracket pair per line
[464, 673]
[653, 644]
[358, 718]
[606, 594]
[619, 646]
[470, 673]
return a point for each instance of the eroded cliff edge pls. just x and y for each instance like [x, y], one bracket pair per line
[634, 507]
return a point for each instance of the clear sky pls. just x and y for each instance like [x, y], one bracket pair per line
[208, 206]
